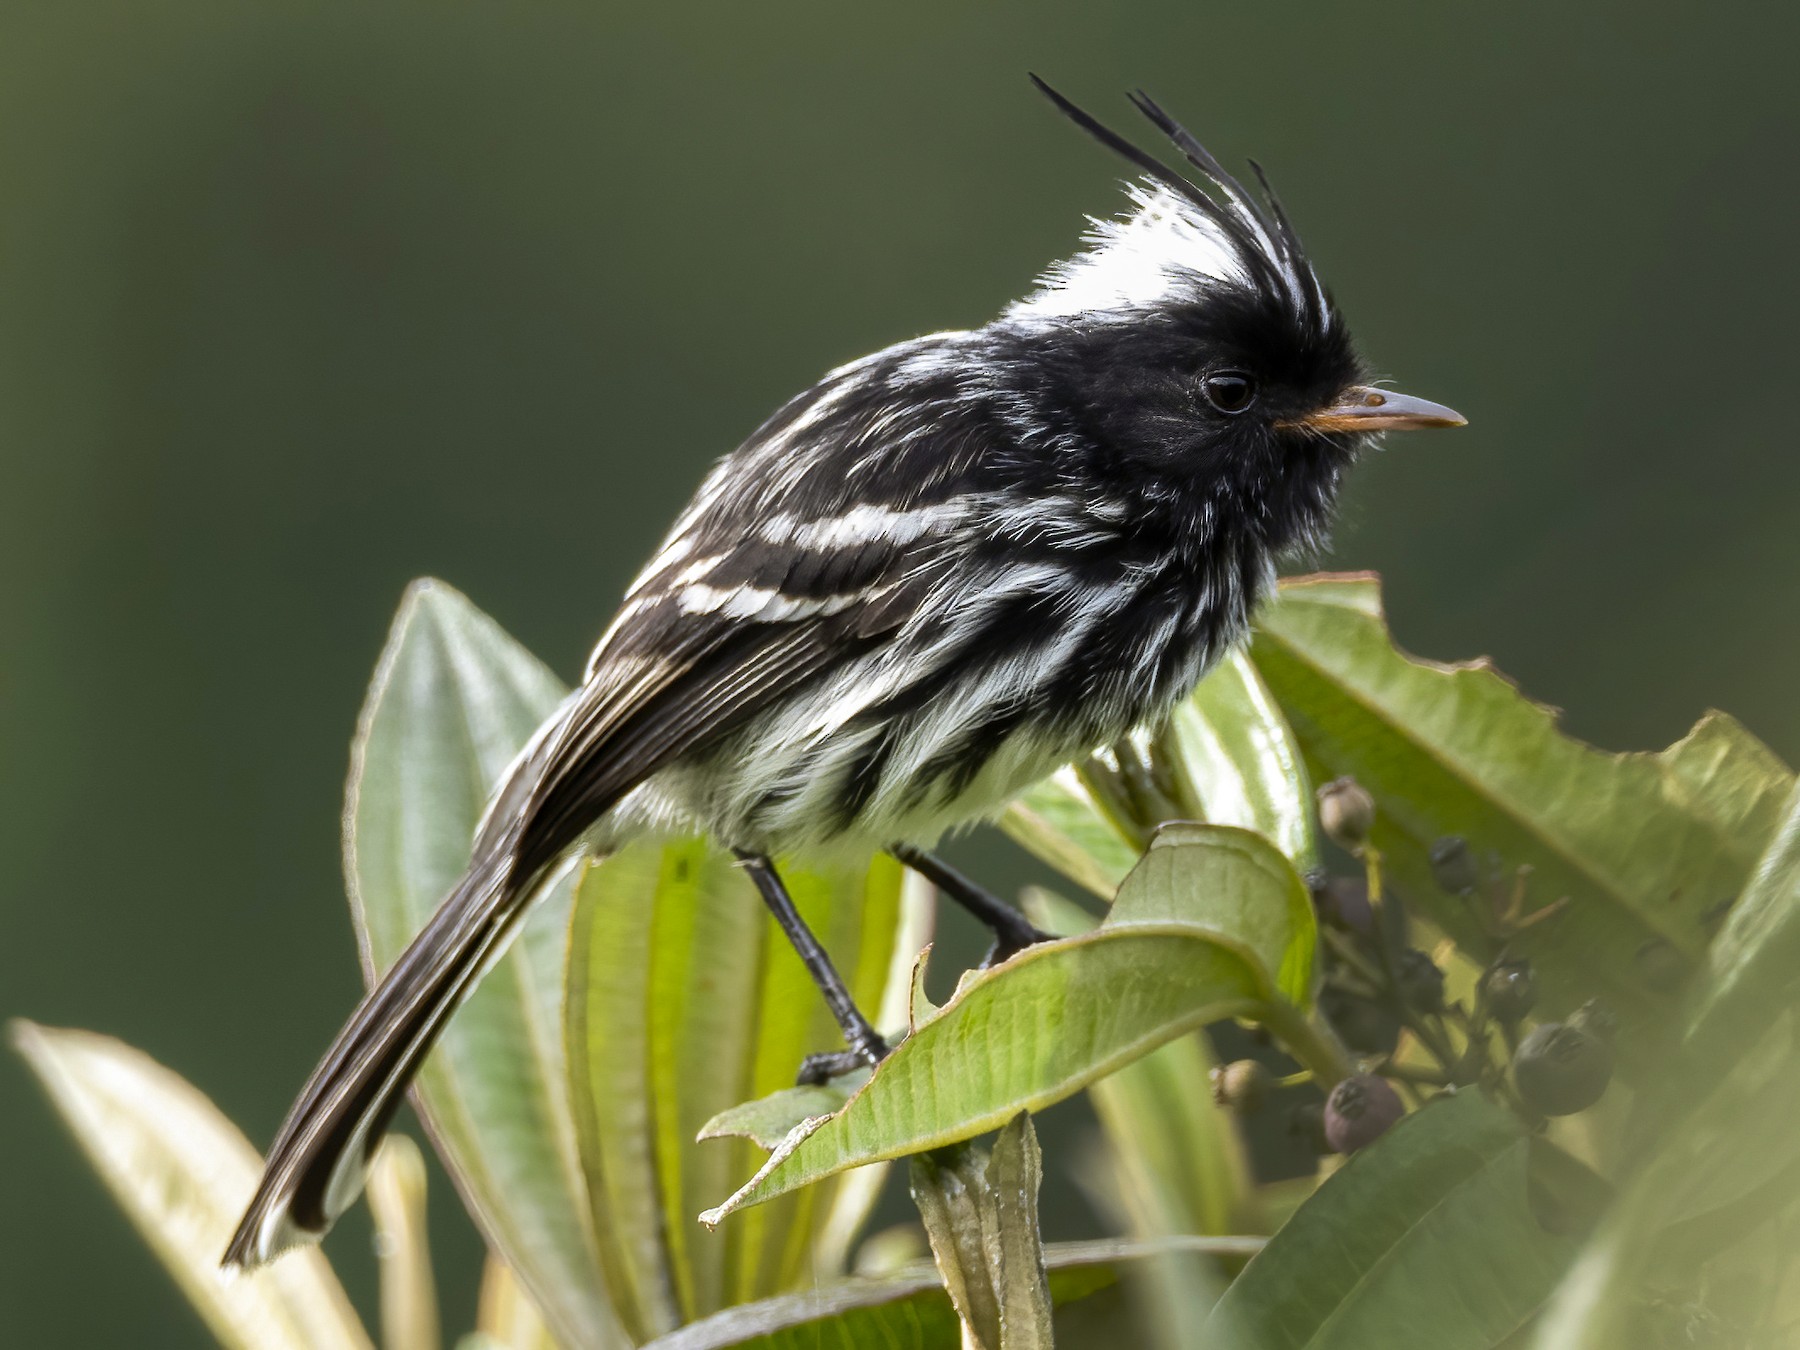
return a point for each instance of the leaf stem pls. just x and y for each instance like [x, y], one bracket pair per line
[1308, 1040]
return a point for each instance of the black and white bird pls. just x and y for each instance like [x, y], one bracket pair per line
[928, 580]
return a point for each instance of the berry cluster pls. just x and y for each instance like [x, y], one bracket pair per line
[1387, 1002]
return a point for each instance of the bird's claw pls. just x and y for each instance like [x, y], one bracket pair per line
[1009, 946]
[822, 1068]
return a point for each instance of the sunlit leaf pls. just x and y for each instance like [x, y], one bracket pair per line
[182, 1173]
[1170, 1163]
[684, 1001]
[1181, 1167]
[1226, 757]
[1644, 845]
[1059, 821]
[1425, 1237]
[452, 702]
[1236, 762]
[1213, 923]
[768, 1120]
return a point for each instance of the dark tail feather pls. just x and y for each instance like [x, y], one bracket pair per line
[316, 1165]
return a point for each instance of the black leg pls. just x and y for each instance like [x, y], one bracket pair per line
[1013, 932]
[866, 1045]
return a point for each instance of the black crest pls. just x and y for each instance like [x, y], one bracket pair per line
[1257, 231]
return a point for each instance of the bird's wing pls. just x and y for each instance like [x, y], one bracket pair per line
[812, 544]
[670, 681]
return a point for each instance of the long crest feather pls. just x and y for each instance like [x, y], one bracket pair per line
[1258, 232]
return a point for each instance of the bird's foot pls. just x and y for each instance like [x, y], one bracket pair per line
[1010, 944]
[822, 1068]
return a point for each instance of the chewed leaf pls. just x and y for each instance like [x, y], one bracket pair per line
[1207, 927]
[183, 1172]
[1645, 846]
[769, 1120]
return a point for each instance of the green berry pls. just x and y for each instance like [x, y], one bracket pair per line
[1241, 1086]
[1346, 813]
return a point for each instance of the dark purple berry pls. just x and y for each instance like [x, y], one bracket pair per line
[1343, 902]
[1453, 865]
[1359, 1111]
[1561, 1069]
[1510, 987]
[1367, 1027]
[1346, 813]
[1421, 982]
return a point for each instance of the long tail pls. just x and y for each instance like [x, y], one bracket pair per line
[318, 1161]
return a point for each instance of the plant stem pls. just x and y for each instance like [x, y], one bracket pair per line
[1438, 1044]
[1310, 1042]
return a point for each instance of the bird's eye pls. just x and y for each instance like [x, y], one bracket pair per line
[1230, 391]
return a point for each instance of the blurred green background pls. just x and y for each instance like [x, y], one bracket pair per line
[298, 301]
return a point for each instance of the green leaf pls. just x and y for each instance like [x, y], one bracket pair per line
[980, 1212]
[684, 1000]
[452, 702]
[1234, 885]
[1423, 1238]
[1643, 845]
[409, 1314]
[1059, 821]
[1235, 762]
[1717, 1152]
[768, 1120]
[182, 1172]
[1226, 757]
[1213, 923]
[1172, 1162]
[1182, 1166]
[909, 1310]
[1753, 969]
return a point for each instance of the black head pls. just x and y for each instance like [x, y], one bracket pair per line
[1193, 346]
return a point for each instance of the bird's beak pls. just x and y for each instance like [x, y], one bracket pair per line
[1362, 408]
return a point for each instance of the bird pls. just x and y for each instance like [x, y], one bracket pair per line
[926, 581]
